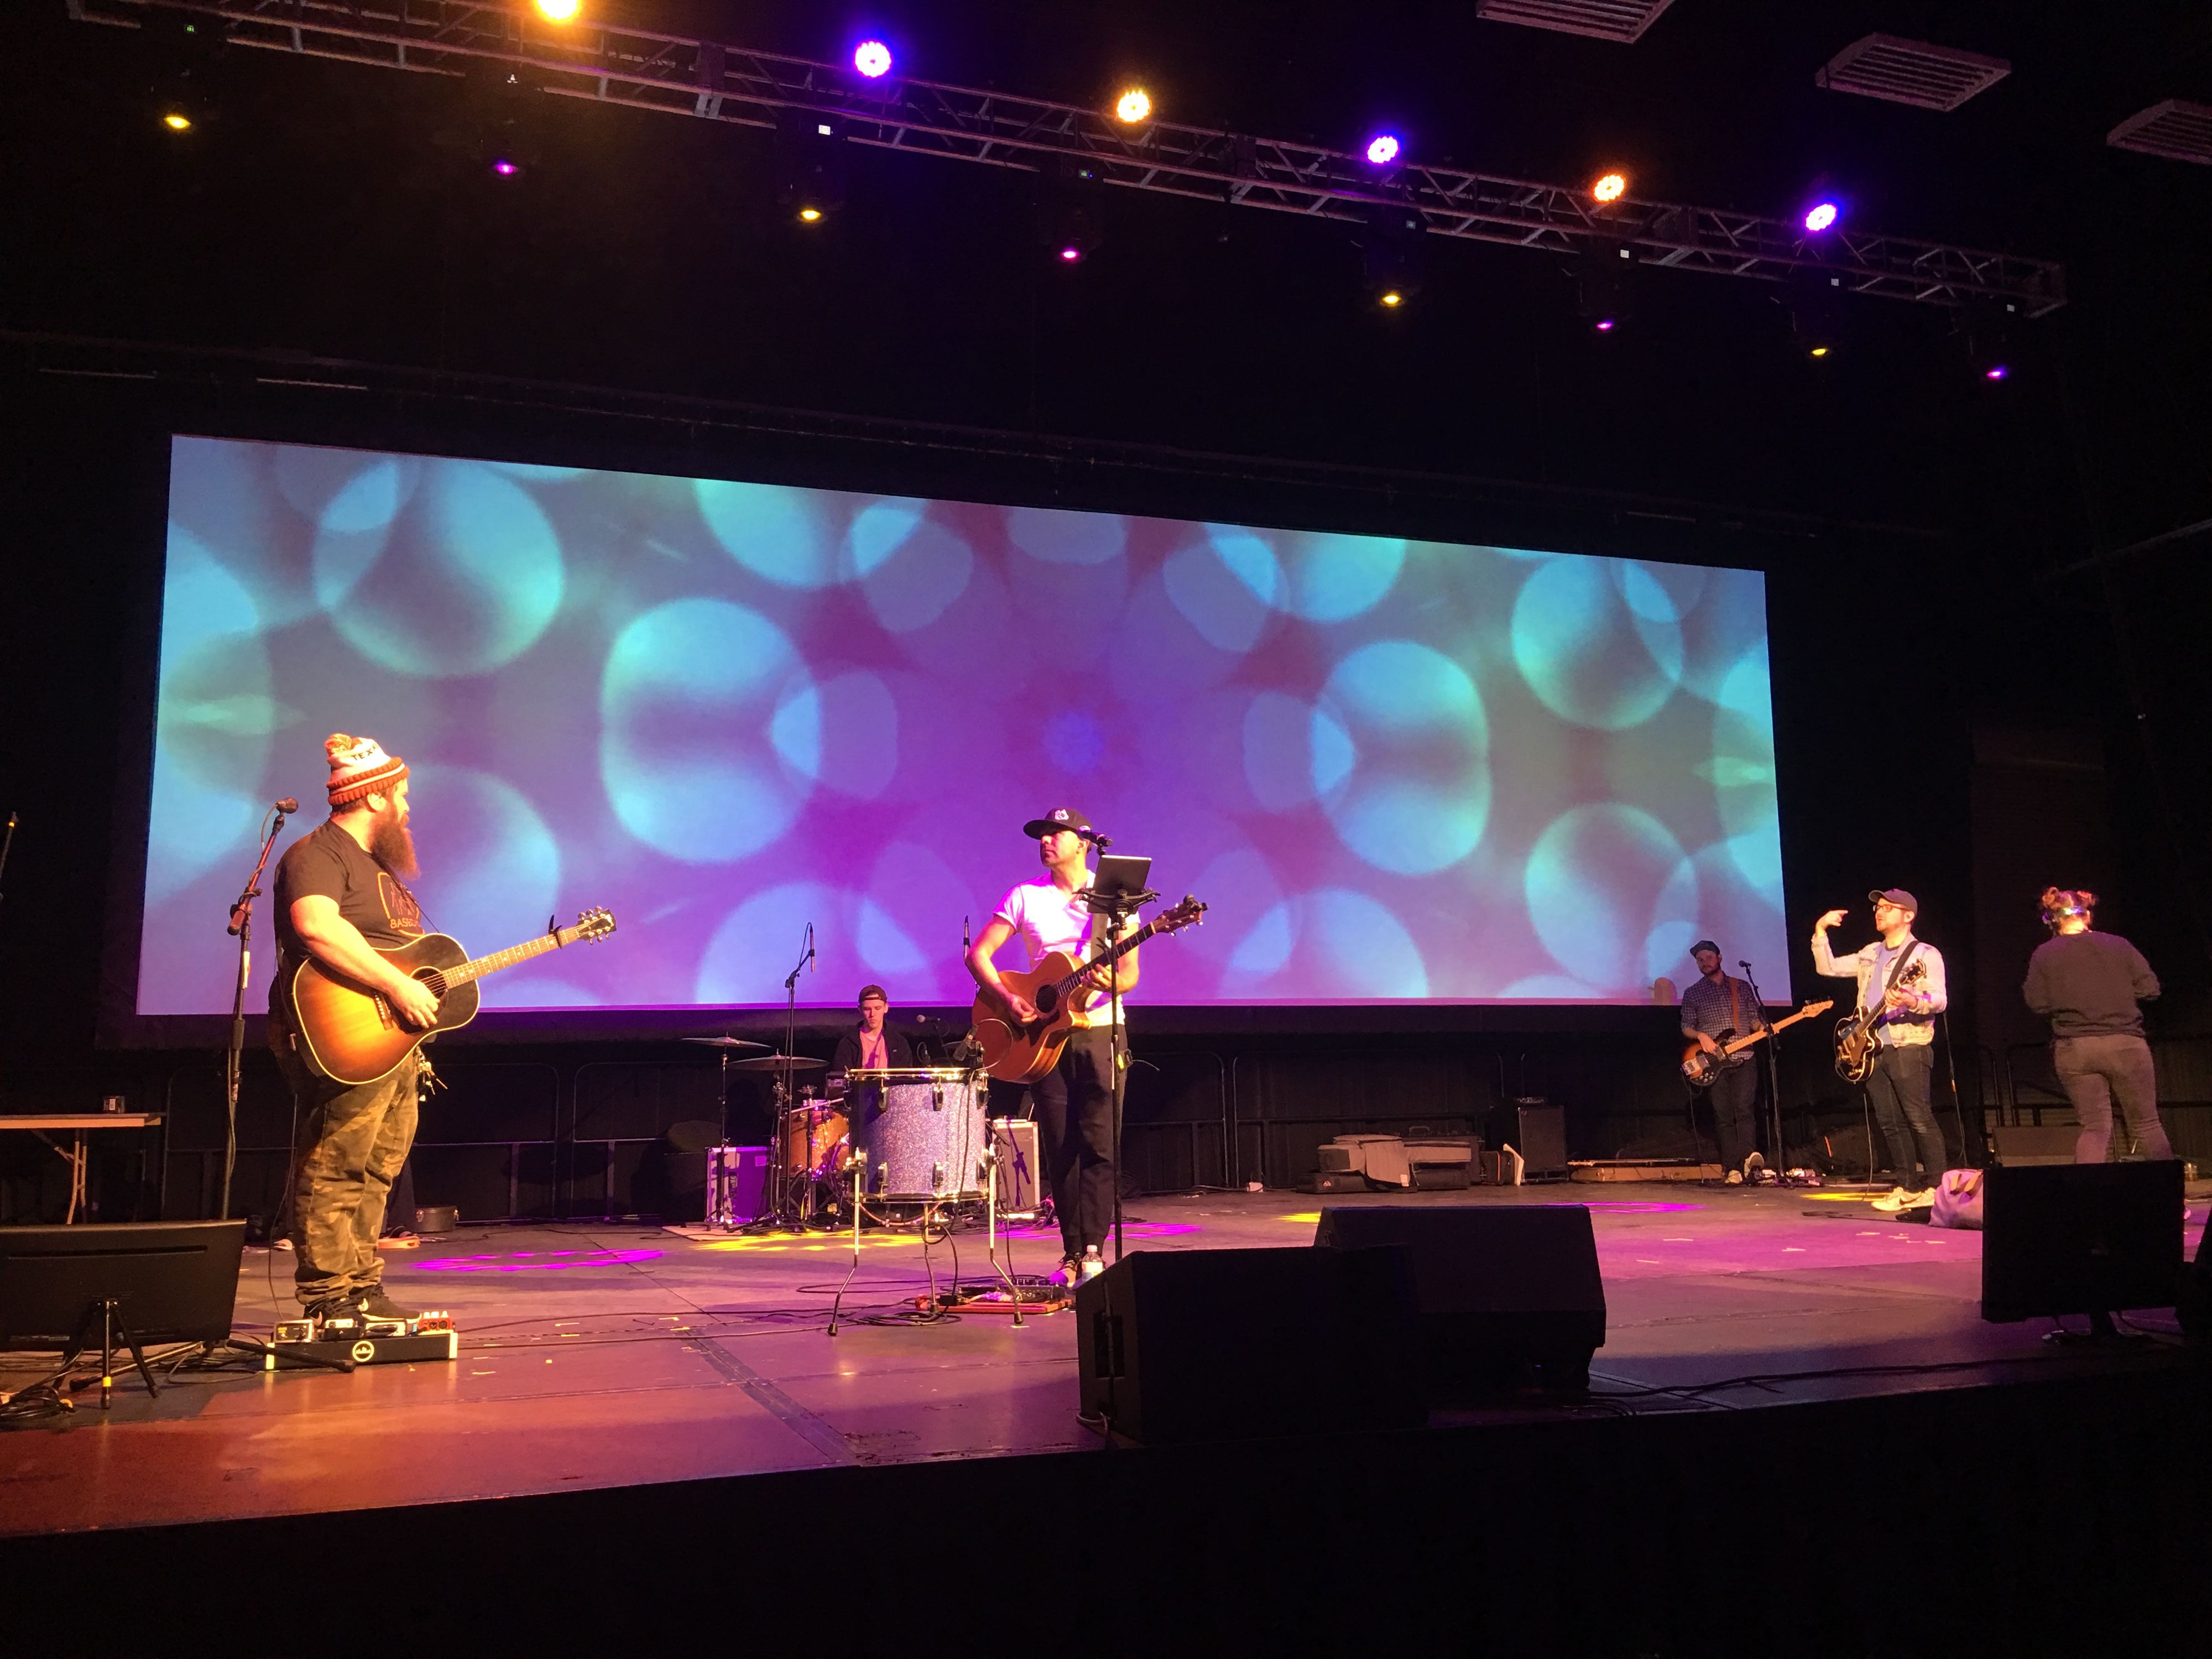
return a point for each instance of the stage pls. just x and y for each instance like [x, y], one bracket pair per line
[602, 1356]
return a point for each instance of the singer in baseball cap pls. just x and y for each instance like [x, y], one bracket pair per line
[1897, 896]
[1061, 818]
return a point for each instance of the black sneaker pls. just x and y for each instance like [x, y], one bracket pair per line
[335, 1307]
[375, 1305]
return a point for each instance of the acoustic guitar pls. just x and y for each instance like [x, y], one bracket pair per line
[1858, 1034]
[1700, 1068]
[349, 1034]
[1022, 1053]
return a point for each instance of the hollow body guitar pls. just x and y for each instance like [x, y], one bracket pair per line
[1858, 1034]
[1700, 1068]
[351, 1035]
[1022, 1053]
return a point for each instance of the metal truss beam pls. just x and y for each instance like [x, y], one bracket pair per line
[641, 69]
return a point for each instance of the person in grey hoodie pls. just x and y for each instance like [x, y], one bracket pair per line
[2089, 984]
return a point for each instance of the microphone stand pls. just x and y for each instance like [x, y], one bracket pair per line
[5, 845]
[1116, 907]
[777, 1170]
[241, 925]
[1773, 1078]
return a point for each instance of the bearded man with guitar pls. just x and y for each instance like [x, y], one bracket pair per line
[339, 897]
[1718, 1007]
[1900, 992]
[1075, 1098]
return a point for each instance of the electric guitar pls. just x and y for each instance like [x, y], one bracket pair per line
[1858, 1034]
[1024, 1052]
[349, 1034]
[1700, 1068]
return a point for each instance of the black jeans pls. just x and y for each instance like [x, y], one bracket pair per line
[1899, 1087]
[2099, 1070]
[1075, 1136]
[1734, 1095]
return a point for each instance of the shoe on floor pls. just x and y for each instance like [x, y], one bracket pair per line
[1735, 1178]
[1067, 1274]
[1093, 1264]
[1893, 1200]
[335, 1307]
[1754, 1166]
[1923, 1199]
[375, 1305]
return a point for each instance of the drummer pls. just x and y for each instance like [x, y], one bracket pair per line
[871, 1043]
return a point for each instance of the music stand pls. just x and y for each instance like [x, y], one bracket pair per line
[1117, 890]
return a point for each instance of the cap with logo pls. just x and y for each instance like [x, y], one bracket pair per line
[1061, 818]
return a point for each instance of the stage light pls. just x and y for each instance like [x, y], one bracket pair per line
[1133, 106]
[504, 168]
[1997, 371]
[1070, 254]
[872, 58]
[810, 215]
[1392, 298]
[1822, 216]
[558, 11]
[1382, 149]
[1604, 326]
[177, 121]
[1818, 351]
[1610, 187]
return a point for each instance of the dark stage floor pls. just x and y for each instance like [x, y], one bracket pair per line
[601, 1356]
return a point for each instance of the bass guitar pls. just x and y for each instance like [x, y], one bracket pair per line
[349, 1034]
[1700, 1068]
[1022, 1052]
[1858, 1034]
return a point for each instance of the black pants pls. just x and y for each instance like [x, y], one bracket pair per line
[1734, 1096]
[1898, 1086]
[1075, 1135]
[2096, 1071]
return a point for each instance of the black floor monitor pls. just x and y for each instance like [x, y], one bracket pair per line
[2080, 1238]
[174, 1281]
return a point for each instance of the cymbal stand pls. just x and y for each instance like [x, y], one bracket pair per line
[780, 1177]
[837, 1302]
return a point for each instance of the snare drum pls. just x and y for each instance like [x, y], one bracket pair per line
[814, 1136]
[919, 1132]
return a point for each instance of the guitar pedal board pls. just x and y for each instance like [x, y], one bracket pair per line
[359, 1340]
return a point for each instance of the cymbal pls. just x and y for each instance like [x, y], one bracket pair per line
[725, 1041]
[778, 1063]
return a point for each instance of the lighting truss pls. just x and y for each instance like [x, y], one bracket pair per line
[642, 68]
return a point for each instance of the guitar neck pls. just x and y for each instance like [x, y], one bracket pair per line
[477, 966]
[1782, 1024]
[1111, 954]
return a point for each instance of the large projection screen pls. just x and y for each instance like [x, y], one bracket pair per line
[1397, 771]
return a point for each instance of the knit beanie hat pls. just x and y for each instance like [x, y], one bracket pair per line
[359, 767]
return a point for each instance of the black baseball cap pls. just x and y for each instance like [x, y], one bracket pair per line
[1061, 818]
[1704, 945]
[1897, 896]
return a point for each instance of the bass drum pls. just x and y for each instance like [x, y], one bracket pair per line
[918, 1132]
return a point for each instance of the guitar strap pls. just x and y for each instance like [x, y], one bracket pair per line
[1896, 973]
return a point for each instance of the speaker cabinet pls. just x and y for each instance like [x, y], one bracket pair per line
[1218, 1345]
[1504, 1292]
[2080, 1238]
[1537, 1131]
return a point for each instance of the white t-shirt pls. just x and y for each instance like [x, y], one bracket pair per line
[1048, 920]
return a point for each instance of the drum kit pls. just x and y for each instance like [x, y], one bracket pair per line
[890, 1138]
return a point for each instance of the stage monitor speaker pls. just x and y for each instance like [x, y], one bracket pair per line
[1537, 1131]
[2080, 1238]
[1504, 1291]
[170, 1281]
[1220, 1344]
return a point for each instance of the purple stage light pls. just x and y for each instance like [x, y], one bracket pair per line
[1822, 216]
[872, 58]
[505, 168]
[1070, 254]
[1382, 149]
[1605, 324]
[1997, 371]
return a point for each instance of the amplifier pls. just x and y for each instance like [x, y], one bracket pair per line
[1537, 1130]
[1016, 1169]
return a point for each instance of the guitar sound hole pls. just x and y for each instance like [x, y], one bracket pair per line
[1047, 1000]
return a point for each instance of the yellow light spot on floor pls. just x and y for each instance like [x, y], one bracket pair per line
[1310, 1216]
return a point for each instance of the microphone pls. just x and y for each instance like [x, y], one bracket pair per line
[1745, 966]
[287, 806]
[810, 947]
[1101, 843]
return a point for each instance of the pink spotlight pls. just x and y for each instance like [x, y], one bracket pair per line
[1070, 255]
[1382, 149]
[872, 58]
[1605, 324]
[1821, 215]
[505, 168]
[1996, 372]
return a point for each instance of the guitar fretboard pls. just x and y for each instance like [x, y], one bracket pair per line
[477, 966]
[1111, 954]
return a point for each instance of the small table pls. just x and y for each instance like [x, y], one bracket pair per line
[80, 1124]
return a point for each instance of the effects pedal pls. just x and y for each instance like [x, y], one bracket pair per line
[359, 1340]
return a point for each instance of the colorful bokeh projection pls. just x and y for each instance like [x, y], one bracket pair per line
[1396, 770]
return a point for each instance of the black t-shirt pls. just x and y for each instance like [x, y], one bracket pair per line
[2087, 984]
[329, 861]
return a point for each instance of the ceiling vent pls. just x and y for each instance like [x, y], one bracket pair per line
[1604, 19]
[2179, 131]
[1910, 72]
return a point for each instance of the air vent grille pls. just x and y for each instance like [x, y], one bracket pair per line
[1604, 19]
[1910, 72]
[2178, 131]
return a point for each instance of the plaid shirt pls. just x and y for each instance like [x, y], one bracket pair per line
[1706, 1007]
